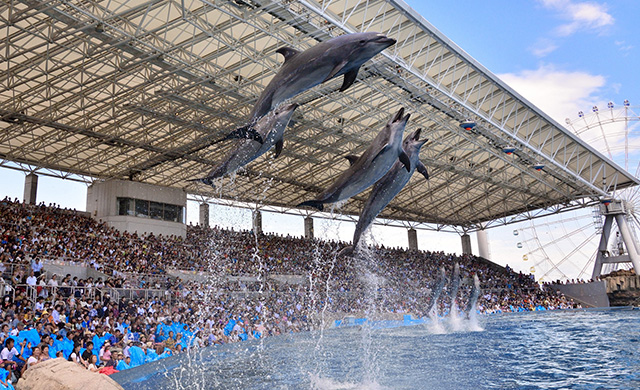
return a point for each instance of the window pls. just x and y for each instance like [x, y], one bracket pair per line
[146, 209]
[171, 212]
[180, 214]
[142, 208]
[125, 206]
[155, 210]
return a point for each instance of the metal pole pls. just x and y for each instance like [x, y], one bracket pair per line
[628, 240]
[483, 244]
[602, 247]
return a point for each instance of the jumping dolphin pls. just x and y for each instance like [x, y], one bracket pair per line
[374, 163]
[455, 285]
[435, 293]
[389, 186]
[475, 293]
[270, 127]
[301, 71]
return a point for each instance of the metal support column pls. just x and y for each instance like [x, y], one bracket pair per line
[483, 244]
[257, 221]
[602, 247]
[466, 244]
[30, 188]
[308, 228]
[629, 242]
[413, 238]
[204, 214]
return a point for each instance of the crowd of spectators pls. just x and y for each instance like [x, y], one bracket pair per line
[239, 299]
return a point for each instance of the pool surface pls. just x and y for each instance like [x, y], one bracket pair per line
[581, 349]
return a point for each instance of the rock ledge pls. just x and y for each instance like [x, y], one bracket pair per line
[59, 374]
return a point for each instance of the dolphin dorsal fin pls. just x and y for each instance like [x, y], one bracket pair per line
[352, 158]
[287, 52]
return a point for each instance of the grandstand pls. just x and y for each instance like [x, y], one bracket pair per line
[138, 91]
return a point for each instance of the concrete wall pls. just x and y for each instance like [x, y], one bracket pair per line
[593, 294]
[82, 272]
[102, 204]
[199, 276]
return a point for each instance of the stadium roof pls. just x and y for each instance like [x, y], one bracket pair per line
[138, 90]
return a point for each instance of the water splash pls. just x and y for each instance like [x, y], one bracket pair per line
[322, 383]
[435, 326]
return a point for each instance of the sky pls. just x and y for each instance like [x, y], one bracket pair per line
[564, 56]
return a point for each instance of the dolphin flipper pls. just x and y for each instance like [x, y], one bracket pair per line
[245, 132]
[349, 78]
[422, 169]
[279, 145]
[312, 203]
[405, 160]
[352, 158]
[336, 69]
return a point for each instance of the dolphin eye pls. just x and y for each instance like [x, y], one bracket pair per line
[362, 41]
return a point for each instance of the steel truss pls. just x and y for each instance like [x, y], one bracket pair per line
[140, 90]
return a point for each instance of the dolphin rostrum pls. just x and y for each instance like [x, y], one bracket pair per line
[389, 186]
[435, 293]
[301, 71]
[374, 163]
[455, 285]
[473, 298]
[270, 127]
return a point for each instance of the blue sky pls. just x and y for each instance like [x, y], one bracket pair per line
[562, 55]
[591, 47]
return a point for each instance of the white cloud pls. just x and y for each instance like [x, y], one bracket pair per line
[543, 47]
[623, 47]
[562, 94]
[581, 15]
[558, 93]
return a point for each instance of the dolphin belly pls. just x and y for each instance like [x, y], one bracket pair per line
[455, 285]
[473, 297]
[435, 294]
[242, 154]
[367, 176]
[306, 79]
[382, 193]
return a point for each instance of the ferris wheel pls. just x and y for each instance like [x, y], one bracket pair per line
[565, 246]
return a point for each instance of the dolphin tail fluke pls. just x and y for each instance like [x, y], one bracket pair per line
[205, 180]
[346, 251]
[312, 203]
[244, 132]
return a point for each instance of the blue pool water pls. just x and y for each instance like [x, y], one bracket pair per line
[586, 349]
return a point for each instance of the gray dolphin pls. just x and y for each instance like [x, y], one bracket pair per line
[435, 293]
[301, 71]
[270, 127]
[374, 163]
[389, 186]
[473, 298]
[455, 285]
